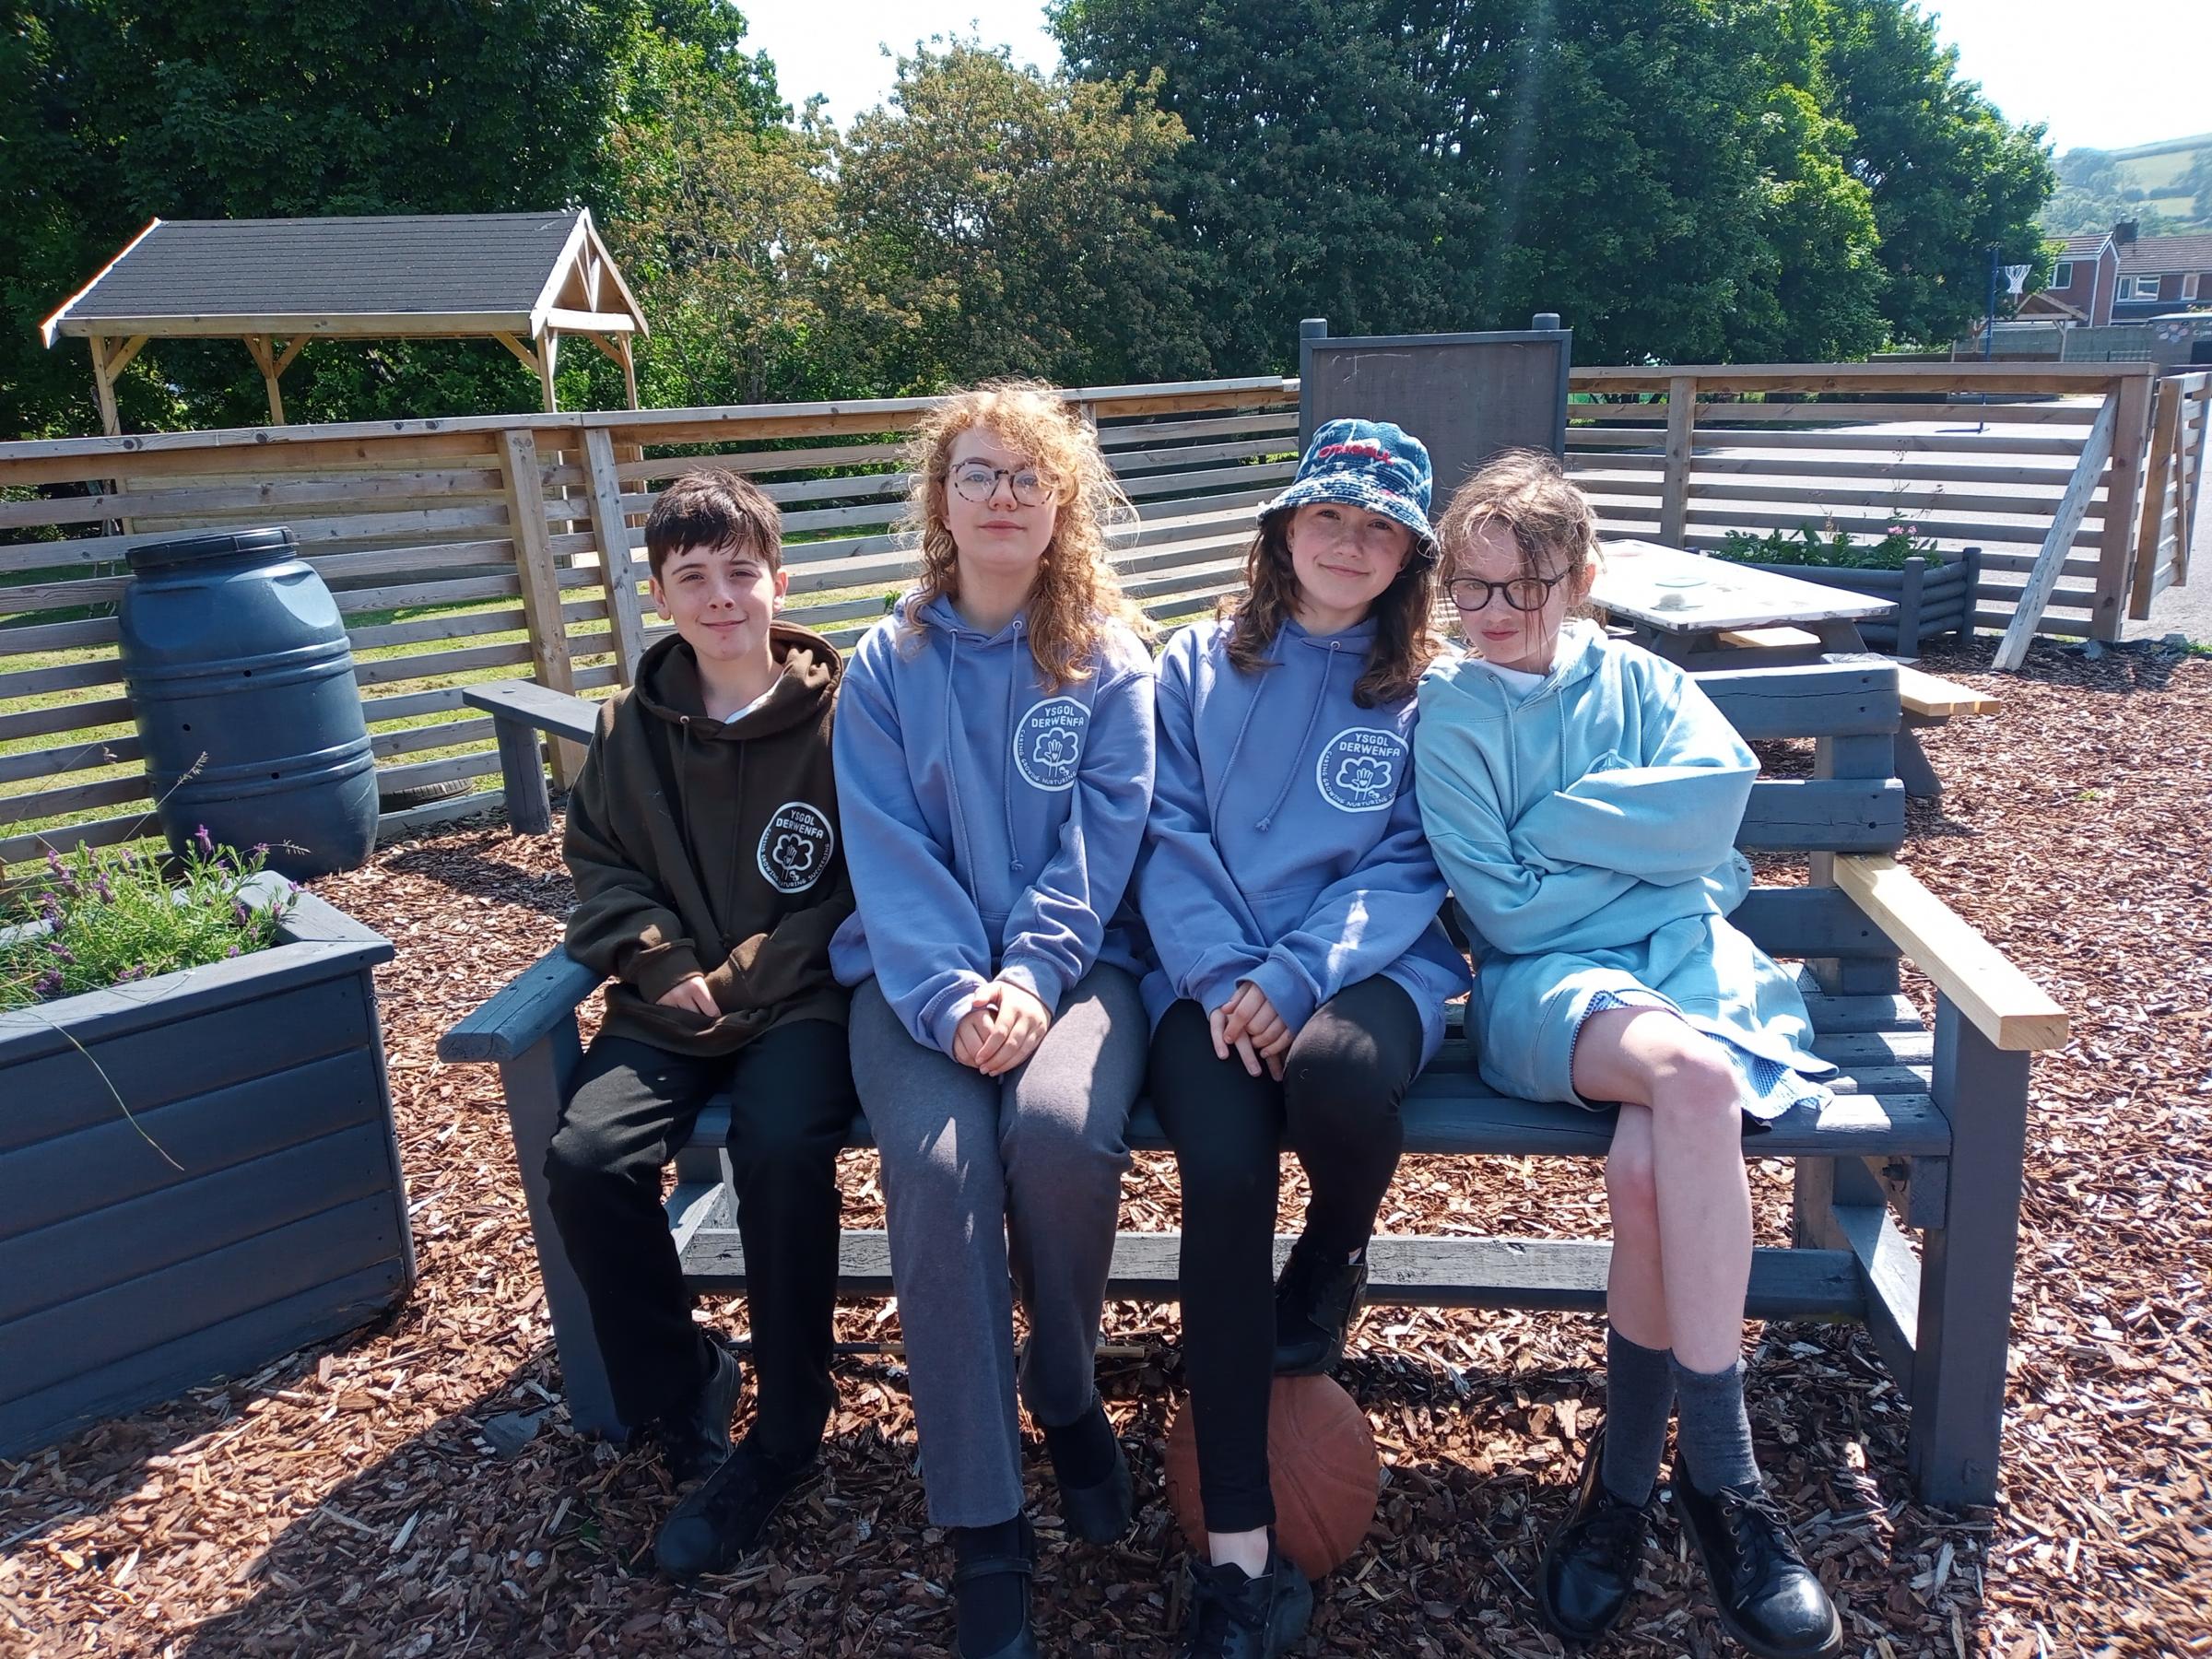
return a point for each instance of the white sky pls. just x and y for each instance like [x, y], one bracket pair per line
[2104, 76]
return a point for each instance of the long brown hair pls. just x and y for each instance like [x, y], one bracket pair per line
[1077, 596]
[1404, 643]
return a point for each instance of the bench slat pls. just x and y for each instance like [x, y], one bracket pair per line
[1559, 1274]
[560, 712]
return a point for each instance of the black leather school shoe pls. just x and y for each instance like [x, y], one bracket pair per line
[726, 1516]
[1315, 1302]
[1590, 1566]
[1234, 1615]
[1100, 1513]
[1023, 1644]
[1767, 1597]
[695, 1440]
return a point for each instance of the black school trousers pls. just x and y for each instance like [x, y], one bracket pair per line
[1337, 1109]
[632, 1104]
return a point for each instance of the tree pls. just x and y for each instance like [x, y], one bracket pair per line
[1949, 177]
[118, 111]
[994, 221]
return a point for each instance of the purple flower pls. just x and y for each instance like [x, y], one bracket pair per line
[206, 841]
[260, 849]
[61, 953]
[134, 972]
[48, 984]
[240, 913]
[101, 887]
[51, 908]
[231, 952]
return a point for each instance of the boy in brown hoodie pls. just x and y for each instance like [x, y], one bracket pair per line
[703, 833]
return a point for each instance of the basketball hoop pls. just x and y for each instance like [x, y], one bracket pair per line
[2016, 278]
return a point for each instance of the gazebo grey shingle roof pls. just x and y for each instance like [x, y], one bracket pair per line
[515, 277]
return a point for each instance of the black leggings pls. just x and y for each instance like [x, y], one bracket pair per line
[1337, 1108]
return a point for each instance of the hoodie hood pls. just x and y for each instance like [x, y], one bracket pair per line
[668, 685]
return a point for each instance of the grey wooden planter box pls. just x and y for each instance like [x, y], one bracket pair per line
[124, 1280]
[1933, 596]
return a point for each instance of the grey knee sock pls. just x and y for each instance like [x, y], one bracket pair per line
[1714, 1444]
[1639, 1397]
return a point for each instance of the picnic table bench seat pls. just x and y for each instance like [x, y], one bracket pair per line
[1925, 1133]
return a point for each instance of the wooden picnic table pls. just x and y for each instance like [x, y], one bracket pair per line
[1710, 615]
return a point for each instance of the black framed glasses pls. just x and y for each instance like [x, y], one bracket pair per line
[975, 482]
[1522, 593]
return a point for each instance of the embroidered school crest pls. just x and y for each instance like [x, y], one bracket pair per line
[1361, 769]
[1048, 742]
[795, 847]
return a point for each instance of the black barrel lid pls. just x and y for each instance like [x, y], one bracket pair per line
[265, 544]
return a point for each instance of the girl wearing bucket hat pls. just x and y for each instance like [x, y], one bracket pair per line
[1299, 971]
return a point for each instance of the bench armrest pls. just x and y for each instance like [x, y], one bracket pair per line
[562, 714]
[2006, 1006]
[523, 1013]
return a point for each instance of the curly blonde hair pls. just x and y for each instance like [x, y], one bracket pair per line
[1077, 596]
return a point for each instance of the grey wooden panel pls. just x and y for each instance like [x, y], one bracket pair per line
[89, 1253]
[100, 1016]
[229, 1348]
[59, 1093]
[523, 1011]
[80, 1336]
[1465, 396]
[1818, 699]
[110, 1162]
[1809, 922]
[1402, 1272]
[1824, 815]
[1856, 1011]
[561, 712]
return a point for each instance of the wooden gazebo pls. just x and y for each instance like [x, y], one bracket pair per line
[523, 279]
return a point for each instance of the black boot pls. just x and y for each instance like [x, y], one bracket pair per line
[1097, 1499]
[1315, 1302]
[726, 1516]
[1590, 1569]
[1767, 1597]
[971, 1565]
[696, 1439]
[1234, 1615]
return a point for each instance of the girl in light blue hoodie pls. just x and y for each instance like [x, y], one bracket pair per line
[993, 749]
[1299, 971]
[1582, 797]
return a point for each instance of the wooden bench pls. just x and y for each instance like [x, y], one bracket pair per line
[1926, 1131]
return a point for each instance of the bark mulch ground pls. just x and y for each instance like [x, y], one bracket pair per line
[413, 1491]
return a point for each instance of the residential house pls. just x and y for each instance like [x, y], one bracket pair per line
[2083, 286]
[2161, 274]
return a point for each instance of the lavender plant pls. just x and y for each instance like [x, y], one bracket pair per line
[101, 917]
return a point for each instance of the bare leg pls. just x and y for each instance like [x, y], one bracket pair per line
[1635, 1286]
[1648, 1057]
[1246, 1550]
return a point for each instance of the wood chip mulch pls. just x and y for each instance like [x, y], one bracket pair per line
[413, 1491]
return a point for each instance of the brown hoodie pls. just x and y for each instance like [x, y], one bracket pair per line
[704, 847]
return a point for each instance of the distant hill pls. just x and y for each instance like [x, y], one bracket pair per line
[2166, 186]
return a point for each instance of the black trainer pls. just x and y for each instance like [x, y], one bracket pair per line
[726, 1513]
[1591, 1565]
[1767, 1597]
[1022, 1644]
[1234, 1615]
[695, 1440]
[1315, 1302]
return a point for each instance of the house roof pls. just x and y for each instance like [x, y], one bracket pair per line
[389, 277]
[2156, 255]
[2044, 303]
[2084, 247]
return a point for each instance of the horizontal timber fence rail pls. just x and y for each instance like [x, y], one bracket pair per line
[500, 546]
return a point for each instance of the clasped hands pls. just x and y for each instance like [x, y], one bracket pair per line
[1248, 1023]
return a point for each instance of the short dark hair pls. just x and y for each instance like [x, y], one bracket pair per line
[713, 507]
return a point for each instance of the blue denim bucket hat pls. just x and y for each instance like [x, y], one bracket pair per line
[1370, 463]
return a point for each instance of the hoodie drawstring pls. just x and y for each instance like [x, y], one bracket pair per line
[1005, 791]
[952, 749]
[1321, 693]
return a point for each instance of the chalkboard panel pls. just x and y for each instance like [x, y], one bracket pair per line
[1465, 396]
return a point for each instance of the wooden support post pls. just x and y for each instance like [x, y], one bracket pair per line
[1965, 1321]
[2073, 507]
[625, 617]
[1681, 418]
[2165, 418]
[522, 773]
[2131, 438]
[540, 581]
[629, 368]
[265, 360]
[2192, 470]
[290, 352]
[103, 383]
[548, 356]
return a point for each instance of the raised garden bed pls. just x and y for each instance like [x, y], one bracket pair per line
[247, 1202]
[1935, 594]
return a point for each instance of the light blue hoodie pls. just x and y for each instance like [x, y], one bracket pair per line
[990, 823]
[1588, 830]
[1285, 845]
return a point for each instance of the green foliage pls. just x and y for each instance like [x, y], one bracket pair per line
[109, 916]
[1833, 548]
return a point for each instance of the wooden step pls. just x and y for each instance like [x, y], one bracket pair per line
[1778, 637]
[1927, 695]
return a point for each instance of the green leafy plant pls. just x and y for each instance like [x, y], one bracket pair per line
[110, 916]
[1829, 547]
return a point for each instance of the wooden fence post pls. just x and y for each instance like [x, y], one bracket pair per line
[541, 581]
[1681, 418]
[2163, 472]
[625, 617]
[2131, 432]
